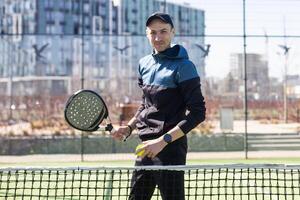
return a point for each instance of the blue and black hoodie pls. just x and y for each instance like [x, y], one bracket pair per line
[171, 96]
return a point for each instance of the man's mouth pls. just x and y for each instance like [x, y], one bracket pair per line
[159, 44]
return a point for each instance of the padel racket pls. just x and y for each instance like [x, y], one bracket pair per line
[85, 110]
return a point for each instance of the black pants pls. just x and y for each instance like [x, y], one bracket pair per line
[170, 184]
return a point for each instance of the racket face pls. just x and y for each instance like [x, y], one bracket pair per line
[85, 110]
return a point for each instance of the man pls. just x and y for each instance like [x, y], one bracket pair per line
[172, 106]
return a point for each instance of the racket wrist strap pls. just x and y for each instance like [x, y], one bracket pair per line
[130, 131]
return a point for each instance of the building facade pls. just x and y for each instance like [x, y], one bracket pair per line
[94, 43]
[258, 84]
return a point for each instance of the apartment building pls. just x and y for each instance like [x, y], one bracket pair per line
[64, 45]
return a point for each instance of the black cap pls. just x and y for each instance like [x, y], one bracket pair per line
[162, 16]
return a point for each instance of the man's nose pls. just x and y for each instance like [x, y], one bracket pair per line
[157, 37]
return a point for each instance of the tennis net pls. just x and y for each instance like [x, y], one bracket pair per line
[211, 182]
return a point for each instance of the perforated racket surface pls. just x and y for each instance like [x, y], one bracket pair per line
[85, 110]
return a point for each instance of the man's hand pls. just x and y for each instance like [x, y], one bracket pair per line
[121, 132]
[152, 147]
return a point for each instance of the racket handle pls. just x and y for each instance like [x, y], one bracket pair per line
[109, 128]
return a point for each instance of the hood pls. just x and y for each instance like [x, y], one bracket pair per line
[175, 52]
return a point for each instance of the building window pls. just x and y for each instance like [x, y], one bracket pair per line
[49, 3]
[68, 6]
[76, 29]
[86, 20]
[48, 15]
[86, 8]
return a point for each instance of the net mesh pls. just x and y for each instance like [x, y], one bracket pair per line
[218, 182]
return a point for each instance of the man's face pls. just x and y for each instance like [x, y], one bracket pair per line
[160, 35]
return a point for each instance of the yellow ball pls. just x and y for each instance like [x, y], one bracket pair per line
[140, 153]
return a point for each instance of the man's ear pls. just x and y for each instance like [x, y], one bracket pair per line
[173, 31]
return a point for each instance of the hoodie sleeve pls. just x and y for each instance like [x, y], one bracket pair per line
[190, 88]
[142, 106]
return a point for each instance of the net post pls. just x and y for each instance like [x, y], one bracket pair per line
[245, 80]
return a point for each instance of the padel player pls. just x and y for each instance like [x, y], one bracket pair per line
[172, 106]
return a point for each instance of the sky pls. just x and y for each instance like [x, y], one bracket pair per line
[263, 18]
